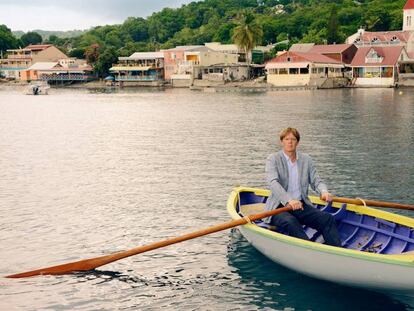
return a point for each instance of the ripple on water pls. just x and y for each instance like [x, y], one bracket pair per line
[83, 174]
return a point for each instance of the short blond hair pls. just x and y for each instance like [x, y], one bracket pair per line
[289, 130]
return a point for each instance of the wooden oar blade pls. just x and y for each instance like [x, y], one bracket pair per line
[83, 265]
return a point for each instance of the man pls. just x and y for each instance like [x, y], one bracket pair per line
[289, 174]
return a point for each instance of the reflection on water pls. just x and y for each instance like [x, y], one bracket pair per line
[87, 173]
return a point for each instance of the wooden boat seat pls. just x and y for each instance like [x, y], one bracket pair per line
[250, 209]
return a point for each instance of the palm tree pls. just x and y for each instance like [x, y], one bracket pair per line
[248, 33]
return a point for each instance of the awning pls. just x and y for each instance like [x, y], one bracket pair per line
[286, 65]
[130, 68]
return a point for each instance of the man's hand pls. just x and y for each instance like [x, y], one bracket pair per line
[326, 196]
[295, 204]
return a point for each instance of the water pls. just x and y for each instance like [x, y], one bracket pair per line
[86, 173]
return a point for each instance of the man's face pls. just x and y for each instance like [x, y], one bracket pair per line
[289, 143]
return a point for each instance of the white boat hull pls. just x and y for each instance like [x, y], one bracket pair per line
[334, 267]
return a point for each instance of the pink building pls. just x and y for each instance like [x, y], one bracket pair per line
[173, 58]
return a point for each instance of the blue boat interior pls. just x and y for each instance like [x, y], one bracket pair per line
[357, 231]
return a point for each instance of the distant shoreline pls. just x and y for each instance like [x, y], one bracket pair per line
[245, 86]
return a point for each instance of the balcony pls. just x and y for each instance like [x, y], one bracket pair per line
[137, 78]
[19, 56]
[190, 63]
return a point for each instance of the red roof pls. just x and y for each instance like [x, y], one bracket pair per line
[38, 47]
[331, 48]
[390, 56]
[300, 57]
[385, 36]
[409, 5]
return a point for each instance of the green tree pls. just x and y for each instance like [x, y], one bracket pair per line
[136, 28]
[31, 38]
[247, 33]
[78, 53]
[332, 32]
[105, 61]
[7, 40]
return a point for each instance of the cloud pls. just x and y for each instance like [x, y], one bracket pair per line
[76, 14]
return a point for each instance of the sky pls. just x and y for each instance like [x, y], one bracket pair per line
[29, 15]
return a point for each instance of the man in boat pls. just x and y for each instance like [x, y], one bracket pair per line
[289, 174]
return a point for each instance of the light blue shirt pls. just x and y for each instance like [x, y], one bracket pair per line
[294, 186]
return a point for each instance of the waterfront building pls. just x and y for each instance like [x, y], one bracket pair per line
[173, 58]
[305, 69]
[141, 68]
[377, 65]
[193, 60]
[20, 59]
[222, 73]
[67, 70]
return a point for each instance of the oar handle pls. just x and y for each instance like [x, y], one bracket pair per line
[92, 263]
[359, 201]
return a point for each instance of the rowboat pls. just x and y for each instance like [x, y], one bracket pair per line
[377, 247]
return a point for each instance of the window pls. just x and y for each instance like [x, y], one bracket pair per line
[373, 57]
[394, 39]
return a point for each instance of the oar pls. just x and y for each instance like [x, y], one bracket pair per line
[359, 201]
[92, 263]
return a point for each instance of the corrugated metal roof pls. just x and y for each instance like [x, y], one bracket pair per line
[43, 65]
[37, 47]
[298, 57]
[130, 68]
[385, 36]
[390, 55]
[184, 47]
[145, 55]
[301, 47]
[330, 48]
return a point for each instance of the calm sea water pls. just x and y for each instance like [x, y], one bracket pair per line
[86, 173]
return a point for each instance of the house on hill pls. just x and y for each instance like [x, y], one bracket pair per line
[404, 37]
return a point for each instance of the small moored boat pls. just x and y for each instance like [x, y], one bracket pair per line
[377, 247]
[37, 88]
